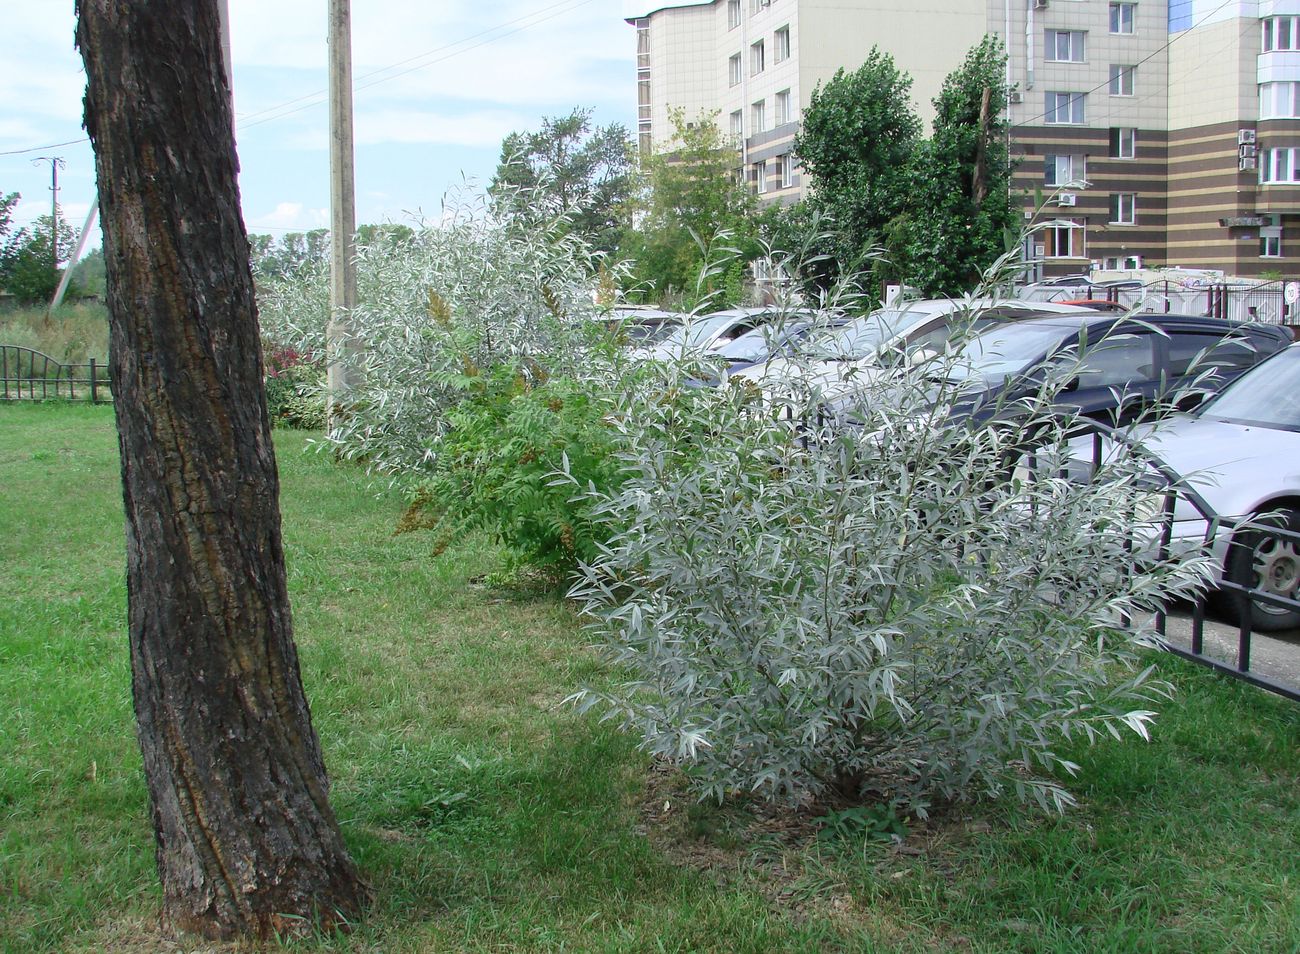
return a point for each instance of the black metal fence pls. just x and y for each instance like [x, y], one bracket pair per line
[1222, 534]
[27, 375]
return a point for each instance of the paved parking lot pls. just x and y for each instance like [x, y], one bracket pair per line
[1276, 655]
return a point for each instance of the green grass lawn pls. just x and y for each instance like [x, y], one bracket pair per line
[489, 818]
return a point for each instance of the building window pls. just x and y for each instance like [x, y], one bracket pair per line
[1123, 208]
[1281, 33]
[733, 14]
[1064, 171]
[734, 74]
[783, 114]
[643, 97]
[1066, 46]
[1123, 142]
[757, 59]
[758, 117]
[760, 177]
[1279, 100]
[737, 125]
[756, 5]
[642, 45]
[781, 45]
[1121, 79]
[1064, 239]
[1062, 108]
[1279, 165]
[1121, 17]
[786, 171]
[1270, 246]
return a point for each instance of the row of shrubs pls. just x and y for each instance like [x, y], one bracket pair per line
[807, 607]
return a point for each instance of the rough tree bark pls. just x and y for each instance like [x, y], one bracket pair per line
[246, 840]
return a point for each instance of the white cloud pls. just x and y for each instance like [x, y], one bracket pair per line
[292, 216]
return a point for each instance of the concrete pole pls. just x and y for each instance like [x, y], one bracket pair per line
[341, 344]
[82, 239]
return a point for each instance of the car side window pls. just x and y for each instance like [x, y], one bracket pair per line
[1193, 353]
[1118, 360]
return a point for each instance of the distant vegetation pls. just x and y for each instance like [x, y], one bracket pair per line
[73, 334]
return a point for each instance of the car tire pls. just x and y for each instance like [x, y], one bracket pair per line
[1258, 560]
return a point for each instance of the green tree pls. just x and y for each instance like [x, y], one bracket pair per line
[27, 266]
[960, 215]
[570, 167]
[694, 195]
[858, 137]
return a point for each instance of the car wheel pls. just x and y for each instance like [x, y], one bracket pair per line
[1261, 561]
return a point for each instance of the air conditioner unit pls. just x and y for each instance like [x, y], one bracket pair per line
[1245, 136]
[1015, 96]
[1247, 164]
[1246, 152]
[1067, 199]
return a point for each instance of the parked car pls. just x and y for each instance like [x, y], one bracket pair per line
[1120, 366]
[1097, 304]
[643, 326]
[707, 333]
[837, 361]
[1240, 451]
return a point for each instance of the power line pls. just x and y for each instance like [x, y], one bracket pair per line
[537, 17]
[418, 56]
[57, 145]
[315, 99]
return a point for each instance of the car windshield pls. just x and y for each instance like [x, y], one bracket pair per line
[863, 337]
[1006, 350]
[696, 331]
[1267, 395]
[758, 343]
[650, 331]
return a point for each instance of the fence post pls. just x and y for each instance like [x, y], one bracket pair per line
[94, 390]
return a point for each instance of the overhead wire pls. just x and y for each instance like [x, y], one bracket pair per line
[377, 78]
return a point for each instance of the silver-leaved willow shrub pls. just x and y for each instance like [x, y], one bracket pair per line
[834, 585]
[442, 301]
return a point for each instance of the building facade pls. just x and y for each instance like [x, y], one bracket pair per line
[1148, 133]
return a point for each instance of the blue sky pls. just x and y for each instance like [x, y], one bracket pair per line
[438, 84]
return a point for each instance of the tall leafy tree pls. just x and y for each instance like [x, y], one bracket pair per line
[856, 144]
[9, 241]
[693, 193]
[246, 841]
[28, 269]
[569, 166]
[959, 216]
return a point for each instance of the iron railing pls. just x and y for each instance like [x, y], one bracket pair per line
[1220, 535]
[28, 375]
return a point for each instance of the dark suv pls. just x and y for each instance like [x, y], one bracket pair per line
[1124, 364]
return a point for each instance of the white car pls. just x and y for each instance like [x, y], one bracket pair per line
[705, 334]
[834, 361]
[1240, 451]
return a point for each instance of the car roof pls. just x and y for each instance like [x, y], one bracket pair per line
[1085, 317]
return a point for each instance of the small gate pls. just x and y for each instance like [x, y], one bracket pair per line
[27, 375]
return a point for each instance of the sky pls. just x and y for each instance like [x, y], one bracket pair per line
[437, 87]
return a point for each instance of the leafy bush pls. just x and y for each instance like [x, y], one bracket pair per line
[295, 390]
[473, 290]
[865, 604]
[498, 459]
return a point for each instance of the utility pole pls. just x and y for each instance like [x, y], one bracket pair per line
[56, 163]
[342, 346]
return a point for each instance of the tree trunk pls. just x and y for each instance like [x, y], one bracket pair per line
[246, 840]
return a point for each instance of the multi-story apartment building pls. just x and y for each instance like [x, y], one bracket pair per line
[1159, 132]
